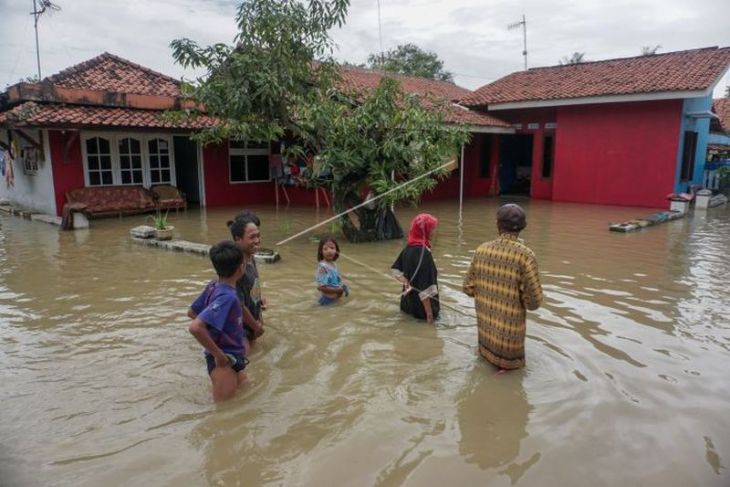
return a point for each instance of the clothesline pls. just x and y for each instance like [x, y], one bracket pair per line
[364, 203]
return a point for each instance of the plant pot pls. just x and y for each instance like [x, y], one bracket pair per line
[165, 234]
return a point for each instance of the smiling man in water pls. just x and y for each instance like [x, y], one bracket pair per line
[245, 232]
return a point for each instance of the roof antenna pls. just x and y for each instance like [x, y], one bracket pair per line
[44, 5]
[516, 25]
[380, 37]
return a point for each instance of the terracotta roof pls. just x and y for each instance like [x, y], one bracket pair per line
[458, 114]
[721, 107]
[691, 70]
[364, 80]
[31, 113]
[108, 72]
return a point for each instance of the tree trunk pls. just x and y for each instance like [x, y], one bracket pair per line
[370, 225]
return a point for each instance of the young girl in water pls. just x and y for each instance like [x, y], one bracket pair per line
[328, 278]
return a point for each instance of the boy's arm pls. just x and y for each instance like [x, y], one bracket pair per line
[256, 325]
[192, 314]
[199, 330]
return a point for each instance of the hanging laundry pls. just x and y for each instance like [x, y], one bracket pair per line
[9, 172]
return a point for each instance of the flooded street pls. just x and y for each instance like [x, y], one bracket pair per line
[626, 380]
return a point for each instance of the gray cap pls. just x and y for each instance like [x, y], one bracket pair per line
[511, 218]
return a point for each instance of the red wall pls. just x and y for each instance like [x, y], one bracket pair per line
[220, 192]
[618, 153]
[540, 188]
[68, 169]
[474, 184]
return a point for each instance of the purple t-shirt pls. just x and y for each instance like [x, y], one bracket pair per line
[219, 308]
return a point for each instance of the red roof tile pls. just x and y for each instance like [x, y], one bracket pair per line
[721, 107]
[692, 70]
[458, 114]
[362, 81]
[79, 116]
[114, 74]
[108, 72]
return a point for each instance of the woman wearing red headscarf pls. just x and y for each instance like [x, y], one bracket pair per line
[416, 269]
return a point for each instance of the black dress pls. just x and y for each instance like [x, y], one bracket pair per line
[416, 264]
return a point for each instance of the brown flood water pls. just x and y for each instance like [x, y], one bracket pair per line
[626, 383]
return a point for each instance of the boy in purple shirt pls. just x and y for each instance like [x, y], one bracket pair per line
[216, 316]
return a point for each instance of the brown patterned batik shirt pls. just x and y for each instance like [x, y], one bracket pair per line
[504, 281]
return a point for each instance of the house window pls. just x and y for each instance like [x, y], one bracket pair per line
[99, 161]
[485, 156]
[688, 156]
[130, 160]
[159, 159]
[248, 161]
[547, 157]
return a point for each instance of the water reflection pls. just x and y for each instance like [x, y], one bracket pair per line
[493, 414]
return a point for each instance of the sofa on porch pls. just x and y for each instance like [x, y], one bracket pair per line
[168, 197]
[100, 201]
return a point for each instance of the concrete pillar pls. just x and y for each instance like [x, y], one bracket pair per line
[79, 220]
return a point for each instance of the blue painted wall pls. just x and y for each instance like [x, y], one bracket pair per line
[717, 138]
[702, 127]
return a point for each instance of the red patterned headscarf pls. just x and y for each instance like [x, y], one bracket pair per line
[421, 229]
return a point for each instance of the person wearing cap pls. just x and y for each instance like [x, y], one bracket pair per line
[504, 281]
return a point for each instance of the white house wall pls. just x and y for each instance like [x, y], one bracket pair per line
[31, 191]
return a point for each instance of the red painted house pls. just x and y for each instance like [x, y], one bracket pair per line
[622, 131]
[101, 123]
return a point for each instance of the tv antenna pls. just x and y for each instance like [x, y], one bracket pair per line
[44, 5]
[516, 25]
[380, 35]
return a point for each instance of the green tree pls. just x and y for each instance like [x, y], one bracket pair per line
[575, 58]
[365, 144]
[279, 80]
[411, 60]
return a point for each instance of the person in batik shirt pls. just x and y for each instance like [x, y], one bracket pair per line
[504, 281]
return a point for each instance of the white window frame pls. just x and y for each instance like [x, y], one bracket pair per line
[114, 138]
[170, 156]
[249, 152]
[131, 170]
[85, 158]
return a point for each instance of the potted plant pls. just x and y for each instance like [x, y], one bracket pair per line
[163, 231]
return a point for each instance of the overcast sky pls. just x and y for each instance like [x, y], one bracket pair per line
[470, 36]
